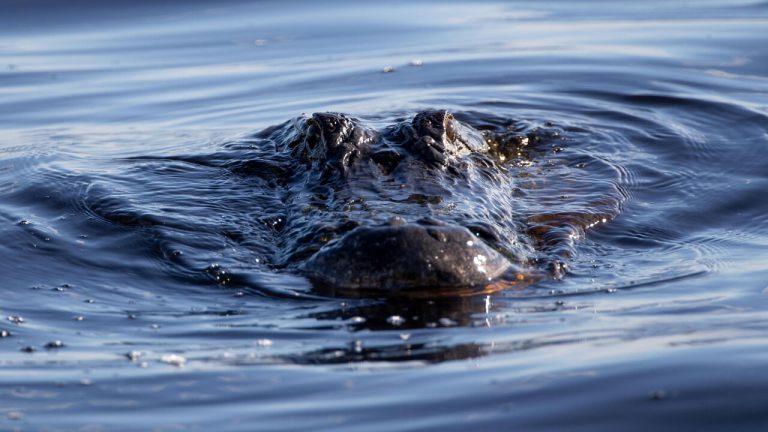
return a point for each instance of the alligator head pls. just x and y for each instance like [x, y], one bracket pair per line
[421, 206]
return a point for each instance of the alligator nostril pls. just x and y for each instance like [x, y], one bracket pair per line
[437, 234]
[395, 221]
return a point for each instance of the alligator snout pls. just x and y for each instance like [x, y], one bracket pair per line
[401, 256]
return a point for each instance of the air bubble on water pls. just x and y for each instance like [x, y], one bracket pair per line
[173, 359]
[405, 336]
[15, 319]
[388, 69]
[239, 294]
[416, 62]
[133, 355]
[5, 334]
[88, 300]
[396, 320]
[79, 318]
[357, 320]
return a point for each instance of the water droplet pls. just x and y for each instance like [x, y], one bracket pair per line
[396, 320]
[173, 359]
[263, 342]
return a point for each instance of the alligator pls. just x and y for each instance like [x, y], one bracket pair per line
[426, 205]
[422, 207]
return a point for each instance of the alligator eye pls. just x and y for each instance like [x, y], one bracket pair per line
[483, 231]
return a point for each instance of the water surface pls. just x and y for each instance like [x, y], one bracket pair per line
[660, 323]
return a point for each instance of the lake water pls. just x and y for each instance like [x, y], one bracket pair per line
[661, 322]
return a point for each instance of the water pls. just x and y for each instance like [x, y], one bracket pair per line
[661, 322]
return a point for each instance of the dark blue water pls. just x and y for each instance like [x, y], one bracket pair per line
[118, 310]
